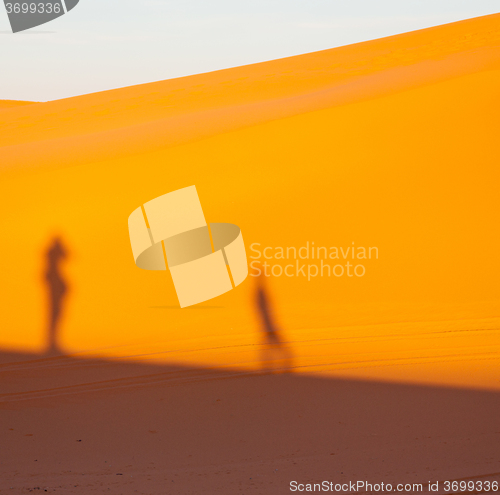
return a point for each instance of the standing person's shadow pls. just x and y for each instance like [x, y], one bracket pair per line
[275, 354]
[57, 290]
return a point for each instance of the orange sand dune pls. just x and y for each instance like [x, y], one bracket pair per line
[390, 143]
[151, 116]
[14, 103]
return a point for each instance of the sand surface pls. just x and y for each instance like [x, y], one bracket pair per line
[94, 426]
[14, 103]
[391, 143]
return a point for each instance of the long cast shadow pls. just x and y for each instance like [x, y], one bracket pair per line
[276, 355]
[57, 290]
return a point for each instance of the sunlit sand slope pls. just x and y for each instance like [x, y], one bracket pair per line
[391, 143]
[151, 116]
[14, 103]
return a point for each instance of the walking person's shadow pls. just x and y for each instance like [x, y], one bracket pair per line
[57, 291]
[276, 355]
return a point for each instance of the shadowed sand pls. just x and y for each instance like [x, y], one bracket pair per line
[85, 426]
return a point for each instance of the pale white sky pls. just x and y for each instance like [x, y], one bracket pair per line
[104, 44]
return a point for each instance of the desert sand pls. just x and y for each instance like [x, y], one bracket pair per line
[96, 426]
[391, 143]
[14, 103]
